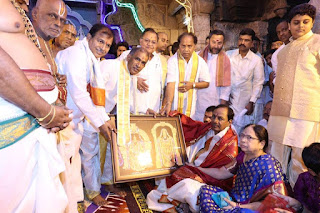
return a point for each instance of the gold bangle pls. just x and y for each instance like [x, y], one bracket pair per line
[42, 119]
[54, 114]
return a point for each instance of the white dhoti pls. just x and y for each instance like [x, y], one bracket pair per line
[185, 191]
[107, 175]
[90, 162]
[69, 145]
[290, 136]
[29, 174]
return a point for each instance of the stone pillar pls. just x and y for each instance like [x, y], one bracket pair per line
[201, 24]
[201, 10]
[316, 25]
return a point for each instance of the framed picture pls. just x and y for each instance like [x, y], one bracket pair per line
[155, 148]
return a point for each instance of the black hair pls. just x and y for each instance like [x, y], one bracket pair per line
[194, 37]
[216, 32]
[302, 9]
[256, 38]
[230, 111]
[175, 47]
[268, 52]
[122, 44]
[249, 32]
[210, 108]
[103, 28]
[261, 133]
[311, 157]
[151, 30]
[280, 21]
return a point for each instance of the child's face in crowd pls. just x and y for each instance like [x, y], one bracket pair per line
[300, 25]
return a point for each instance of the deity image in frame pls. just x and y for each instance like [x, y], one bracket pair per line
[155, 148]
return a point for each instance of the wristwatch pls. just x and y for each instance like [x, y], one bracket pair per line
[194, 85]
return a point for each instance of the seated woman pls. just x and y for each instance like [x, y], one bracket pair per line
[258, 174]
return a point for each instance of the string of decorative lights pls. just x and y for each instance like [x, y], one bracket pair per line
[113, 27]
[115, 4]
[134, 13]
[188, 18]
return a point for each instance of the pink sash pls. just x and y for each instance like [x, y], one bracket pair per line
[223, 67]
[41, 80]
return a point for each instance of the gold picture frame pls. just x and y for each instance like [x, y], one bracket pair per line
[156, 149]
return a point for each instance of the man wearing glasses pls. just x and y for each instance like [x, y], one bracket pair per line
[150, 81]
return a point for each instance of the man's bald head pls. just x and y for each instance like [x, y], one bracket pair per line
[163, 42]
[49, 17]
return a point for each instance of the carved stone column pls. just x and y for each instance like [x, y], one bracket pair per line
[201, 20]
[316, 25]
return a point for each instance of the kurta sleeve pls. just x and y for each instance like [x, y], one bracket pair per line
[258, 80]
[274, 61]
[75, 67]
[204, 71]
[172, 69]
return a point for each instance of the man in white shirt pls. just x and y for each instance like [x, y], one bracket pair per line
[266, 115]
[162, 43]
[150, 79]
[81, 64]
[187, 73]
[284, 35]
[216, 93]
[246, 80]
[134, 63]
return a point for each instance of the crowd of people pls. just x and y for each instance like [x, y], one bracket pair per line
[252, 119]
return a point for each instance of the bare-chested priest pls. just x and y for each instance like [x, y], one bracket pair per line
[48, 19]
[29, 161]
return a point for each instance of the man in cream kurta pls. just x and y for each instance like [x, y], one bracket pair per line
[150, 79]
[81, 64]
[181, 94]
[247, 78]
[295, 113]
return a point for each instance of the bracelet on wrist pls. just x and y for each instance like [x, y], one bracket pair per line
[42, 119]
[54, 114]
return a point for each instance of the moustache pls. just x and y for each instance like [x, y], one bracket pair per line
[242, 45]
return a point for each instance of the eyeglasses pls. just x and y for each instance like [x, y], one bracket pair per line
[248, 137]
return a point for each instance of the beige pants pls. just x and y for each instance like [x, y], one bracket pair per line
[293, 165]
